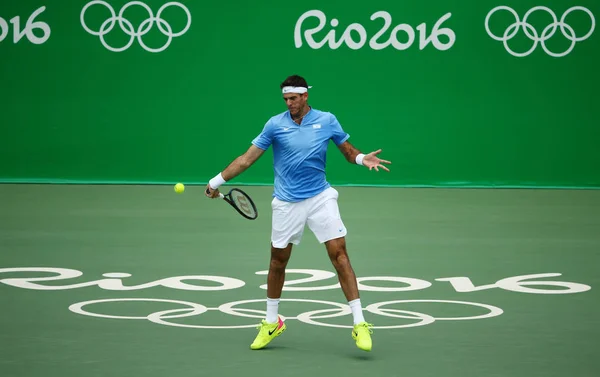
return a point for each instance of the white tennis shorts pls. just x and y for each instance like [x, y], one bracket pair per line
[320, 213]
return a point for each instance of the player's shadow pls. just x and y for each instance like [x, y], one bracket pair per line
[360, 357]
[273, 348]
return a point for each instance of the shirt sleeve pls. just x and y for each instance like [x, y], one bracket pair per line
[265, 138]
[338, 135]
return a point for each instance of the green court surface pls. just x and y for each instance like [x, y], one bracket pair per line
[444, 277]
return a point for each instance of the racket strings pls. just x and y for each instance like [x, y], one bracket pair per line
[243, 203]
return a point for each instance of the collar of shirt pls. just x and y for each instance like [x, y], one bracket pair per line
[304, 120]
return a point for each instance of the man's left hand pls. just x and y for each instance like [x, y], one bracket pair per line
[373, 162]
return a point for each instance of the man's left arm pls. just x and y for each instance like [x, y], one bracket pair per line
[370, 160]
[349, 151]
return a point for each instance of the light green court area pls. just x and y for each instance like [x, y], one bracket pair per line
[458, 282]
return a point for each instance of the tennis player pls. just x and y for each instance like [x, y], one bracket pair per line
[302, 196]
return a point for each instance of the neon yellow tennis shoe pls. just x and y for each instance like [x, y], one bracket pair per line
[362, 334]
[267, 332]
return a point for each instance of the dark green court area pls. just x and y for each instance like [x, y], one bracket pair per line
[109, 280]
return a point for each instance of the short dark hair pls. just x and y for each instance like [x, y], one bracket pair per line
[294, 80]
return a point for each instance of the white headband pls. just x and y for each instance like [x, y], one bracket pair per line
[295, 89]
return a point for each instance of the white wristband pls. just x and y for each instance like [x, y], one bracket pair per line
[359, 158]
[216, 181]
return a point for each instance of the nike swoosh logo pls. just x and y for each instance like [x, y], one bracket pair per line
[275, 329]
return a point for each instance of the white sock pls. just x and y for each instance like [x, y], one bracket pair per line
[272, 310]
[357, 313]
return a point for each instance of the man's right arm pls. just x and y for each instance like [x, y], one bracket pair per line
[243, 162]
[235, 168]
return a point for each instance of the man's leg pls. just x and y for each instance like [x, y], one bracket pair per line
[327, 225]
[272, 326]
[275, 280]
[287, 228]
[338, 255]
[336, 249]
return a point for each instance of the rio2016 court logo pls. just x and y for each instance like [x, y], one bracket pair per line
[126, 26]
[550, 30]
[113, 282]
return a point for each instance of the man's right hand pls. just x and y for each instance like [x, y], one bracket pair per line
[210, 192]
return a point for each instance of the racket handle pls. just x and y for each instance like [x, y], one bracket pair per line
[220, 193]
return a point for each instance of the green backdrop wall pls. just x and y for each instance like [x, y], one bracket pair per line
[90, 98]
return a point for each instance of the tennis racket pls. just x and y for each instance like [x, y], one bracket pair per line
[242, 203]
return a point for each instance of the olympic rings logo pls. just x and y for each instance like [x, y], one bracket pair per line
[310, 317]
[143, 28]
[547, 33]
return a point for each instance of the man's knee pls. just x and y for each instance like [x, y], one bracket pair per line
[336, 249]
[280, 257]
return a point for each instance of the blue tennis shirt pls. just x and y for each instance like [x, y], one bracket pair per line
[299, 152]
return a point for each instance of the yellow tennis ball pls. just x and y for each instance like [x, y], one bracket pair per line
[179, 188]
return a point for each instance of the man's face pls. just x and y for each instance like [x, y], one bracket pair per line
[295, 102]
